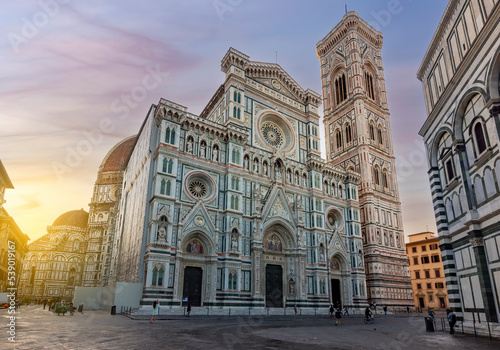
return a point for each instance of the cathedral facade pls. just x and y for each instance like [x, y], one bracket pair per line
[235, 207]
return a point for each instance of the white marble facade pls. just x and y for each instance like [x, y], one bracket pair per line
[235, 207]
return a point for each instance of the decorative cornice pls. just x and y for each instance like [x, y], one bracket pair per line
[351, 21]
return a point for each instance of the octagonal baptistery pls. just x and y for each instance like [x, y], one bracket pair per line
[54, 263]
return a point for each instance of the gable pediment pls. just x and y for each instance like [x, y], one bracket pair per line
[198, 218]
[277, 205]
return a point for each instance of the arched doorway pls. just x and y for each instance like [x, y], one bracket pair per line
[281, 264]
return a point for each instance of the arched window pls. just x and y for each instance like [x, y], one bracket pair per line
[304, 181]
[379, 135]
[338, 138]
[170, 165]
[479, 138]
[167, 190]
[167, 135]
[76, 245]
[377, 176]
[162, 186]
[384, 180]
[155, 276]
[165, 165]
[340, 88]
[239, 97]
[297, 178]
[235, 96]
[348, 133]
[370, 92]
[372, 132]
[341, 192]
[172, 137]
[233, 279]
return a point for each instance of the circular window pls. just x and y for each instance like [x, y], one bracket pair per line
[198, 188]
[275, 132]
[199, 185]
[272, 134]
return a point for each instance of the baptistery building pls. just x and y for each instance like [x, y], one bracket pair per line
[460, 75]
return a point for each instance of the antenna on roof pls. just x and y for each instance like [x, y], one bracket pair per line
[346, 8]
[276, 57]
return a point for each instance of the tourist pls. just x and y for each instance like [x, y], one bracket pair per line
[385, 309]
[338, 316]
[452, 319]
[331, 310]
[346, 312]
[156, 309]
[188, 309]
[295, 309]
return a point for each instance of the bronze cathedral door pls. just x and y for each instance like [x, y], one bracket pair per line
[274, 286]
[192, 286]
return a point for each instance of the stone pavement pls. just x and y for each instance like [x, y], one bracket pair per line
[39, 329]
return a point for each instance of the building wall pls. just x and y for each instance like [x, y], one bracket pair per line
[426, 271]
[358, 137]
[463, 104]
[133, 207]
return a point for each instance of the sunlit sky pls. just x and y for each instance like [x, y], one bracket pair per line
[65, 66]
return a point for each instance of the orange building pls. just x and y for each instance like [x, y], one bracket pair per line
[427, 272]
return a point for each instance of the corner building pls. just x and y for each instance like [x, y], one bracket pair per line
[235, 207]
[358, 139]
[460, 76]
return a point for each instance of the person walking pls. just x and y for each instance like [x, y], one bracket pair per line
[295, 309]
[385, 309]
[407, 309]
[188, 309]
[346, 311]
[368, 312]
[44, 303]
[452, 320]
[338, 316]
[156, 309]
[331, 310]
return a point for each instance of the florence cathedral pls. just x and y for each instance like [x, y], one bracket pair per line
[235, 207]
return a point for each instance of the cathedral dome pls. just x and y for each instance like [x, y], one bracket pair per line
[76, 218]
[120, 151]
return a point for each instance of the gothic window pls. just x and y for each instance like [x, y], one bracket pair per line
[338, 138]
[348, 133]
[340, 88]
[372, 132]
[234, 202]
[289, 176]
[167, 135]
[235, 183]
[165, 165]
[304, 181]
[341, 193]
[236, 155]
[377, 176]
[384, 179]
[297, 177]
[236, 113]
[479, 138]
[76, 245]
[445, 158]
[162, 186]
[370, 92]
[172, 137]
[170, 165]
[379, 136]
[233, 279]
[158, 274]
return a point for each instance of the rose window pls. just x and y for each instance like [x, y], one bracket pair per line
[198, 188]
[273, 134]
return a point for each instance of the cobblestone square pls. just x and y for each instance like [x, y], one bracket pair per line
[40, 329]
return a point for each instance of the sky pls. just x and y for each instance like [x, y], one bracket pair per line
[68, 71]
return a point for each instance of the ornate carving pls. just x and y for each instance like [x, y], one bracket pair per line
[278, 209]
[476, 241]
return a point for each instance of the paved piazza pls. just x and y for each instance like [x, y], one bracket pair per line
[39, 329]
